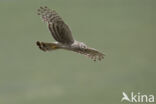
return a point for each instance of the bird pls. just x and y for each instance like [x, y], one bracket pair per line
[63, 36]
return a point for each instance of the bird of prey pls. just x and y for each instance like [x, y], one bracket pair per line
[62, 34]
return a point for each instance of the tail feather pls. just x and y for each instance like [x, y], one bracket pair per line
[47, 46]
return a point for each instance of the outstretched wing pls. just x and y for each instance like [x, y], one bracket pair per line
[91, 53]
[59, 30]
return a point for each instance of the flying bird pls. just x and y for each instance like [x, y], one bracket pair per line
[63, 36]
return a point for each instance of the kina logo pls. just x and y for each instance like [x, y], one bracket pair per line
[138, 97]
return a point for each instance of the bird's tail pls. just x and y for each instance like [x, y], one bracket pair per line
[47, 46]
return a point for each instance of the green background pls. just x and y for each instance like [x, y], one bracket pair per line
[123, 29]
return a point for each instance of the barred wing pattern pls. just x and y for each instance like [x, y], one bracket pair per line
[62, 34]
[59, 30]
[91, 53]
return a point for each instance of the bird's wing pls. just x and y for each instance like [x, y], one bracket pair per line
[59, 30]
[91, 53]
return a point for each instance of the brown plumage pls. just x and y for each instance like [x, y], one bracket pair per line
[62, 34]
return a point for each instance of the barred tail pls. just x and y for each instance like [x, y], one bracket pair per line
[47, 46]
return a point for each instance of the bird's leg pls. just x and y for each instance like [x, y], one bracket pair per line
[47, 46]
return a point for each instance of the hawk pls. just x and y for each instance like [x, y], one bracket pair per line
[63, 35]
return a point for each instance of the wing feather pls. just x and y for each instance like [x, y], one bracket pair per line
[91, 53]
[59, 30]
